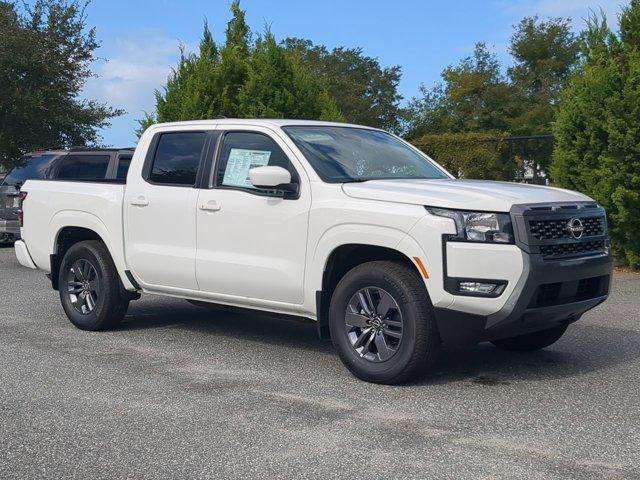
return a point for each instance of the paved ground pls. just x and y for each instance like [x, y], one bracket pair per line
[180, 392]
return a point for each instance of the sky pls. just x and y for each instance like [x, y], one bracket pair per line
[140, 38]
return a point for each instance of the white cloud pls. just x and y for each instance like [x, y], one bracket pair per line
[134, 69]
[129, 76]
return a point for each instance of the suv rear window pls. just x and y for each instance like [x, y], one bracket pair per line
[83, 167]
[29, 167]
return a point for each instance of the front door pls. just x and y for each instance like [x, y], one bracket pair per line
[252, 243]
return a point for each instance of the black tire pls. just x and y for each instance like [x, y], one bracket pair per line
[531, 341]
[419, 346]
[109, 302]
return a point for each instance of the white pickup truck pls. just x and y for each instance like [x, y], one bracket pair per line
[346, 225]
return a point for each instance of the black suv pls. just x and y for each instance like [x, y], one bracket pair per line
[74, 164]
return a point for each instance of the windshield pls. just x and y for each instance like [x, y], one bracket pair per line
[346, 154]
[29, 168]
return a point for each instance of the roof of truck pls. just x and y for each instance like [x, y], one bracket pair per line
[267, 122]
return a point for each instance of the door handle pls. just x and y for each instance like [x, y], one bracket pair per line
[140, 202]
[210, 206]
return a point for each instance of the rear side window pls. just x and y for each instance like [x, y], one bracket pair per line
[123, 167]
[177, 158]
[83, 167]
[29, 168]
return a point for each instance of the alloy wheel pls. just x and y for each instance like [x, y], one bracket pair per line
[83, 286]
[373, 324]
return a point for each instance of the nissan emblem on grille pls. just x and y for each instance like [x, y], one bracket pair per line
[575, 227]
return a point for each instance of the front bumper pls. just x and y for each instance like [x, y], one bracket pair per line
[549, 293]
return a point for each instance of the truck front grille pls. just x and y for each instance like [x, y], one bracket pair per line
[557, 229]
[561, 230]
[565, 250]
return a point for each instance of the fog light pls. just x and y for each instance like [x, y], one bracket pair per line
[480, 288]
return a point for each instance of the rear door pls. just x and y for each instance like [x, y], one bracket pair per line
[160, 204]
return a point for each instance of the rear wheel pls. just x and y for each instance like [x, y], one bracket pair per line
[90, 288]
[531, 341]
[382, 323]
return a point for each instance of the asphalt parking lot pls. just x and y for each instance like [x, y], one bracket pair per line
[183, 392]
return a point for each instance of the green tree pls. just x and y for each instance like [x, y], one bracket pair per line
[193, 88]
[545, 53]
[474, 96]
[242, 79]
[45, 56]
[366, 93]
[234, 62]
[207, 83]
[278, 86]
[597, 128]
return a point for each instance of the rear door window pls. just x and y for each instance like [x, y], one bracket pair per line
[177, 158]
[83, 167]
[123, 167]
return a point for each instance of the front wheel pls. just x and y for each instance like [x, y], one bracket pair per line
[382, 323]
[531, 341]
[90, 289]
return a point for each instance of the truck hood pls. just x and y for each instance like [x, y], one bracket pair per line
[460, 194]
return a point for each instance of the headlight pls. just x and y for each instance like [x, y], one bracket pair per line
[479, 226]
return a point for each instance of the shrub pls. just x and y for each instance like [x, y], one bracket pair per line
[597, 129]
[470, 155]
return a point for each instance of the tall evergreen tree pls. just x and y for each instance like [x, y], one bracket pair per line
[278, 86]
[45, 56]
[597, 128]
[241, 79]
[234, 61]
[193, 87]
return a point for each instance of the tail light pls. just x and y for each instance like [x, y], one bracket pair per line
[22, 197]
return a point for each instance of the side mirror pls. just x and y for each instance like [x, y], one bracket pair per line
[272, 178]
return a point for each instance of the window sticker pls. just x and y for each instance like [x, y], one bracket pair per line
[240, 162]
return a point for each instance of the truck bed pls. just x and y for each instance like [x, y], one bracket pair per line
[52, 204]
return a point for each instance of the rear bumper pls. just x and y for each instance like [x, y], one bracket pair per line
[23, 256]
[10, 227]
[550, 293]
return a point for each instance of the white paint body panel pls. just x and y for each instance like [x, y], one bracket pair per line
[496, 262]
[461, 194]
[22, 254]
[269, 253]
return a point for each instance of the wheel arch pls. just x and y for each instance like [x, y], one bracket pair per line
[345, 257]
[71, 227]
